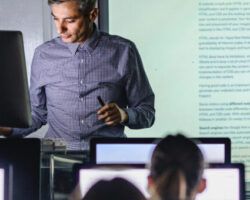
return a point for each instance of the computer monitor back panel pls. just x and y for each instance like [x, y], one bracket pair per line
[24, 156]
[14, 102]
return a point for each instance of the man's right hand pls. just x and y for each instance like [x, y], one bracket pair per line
[5, 131]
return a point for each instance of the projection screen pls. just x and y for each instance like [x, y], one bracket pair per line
[197, 57]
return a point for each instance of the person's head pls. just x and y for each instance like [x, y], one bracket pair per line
[74, 18]
[176, 169]
[117, 188]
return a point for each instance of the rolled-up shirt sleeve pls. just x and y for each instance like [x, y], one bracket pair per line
[140, 96]
[37, 99]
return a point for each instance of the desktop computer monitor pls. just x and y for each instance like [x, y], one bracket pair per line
[14, 102]
[89, 175]
[2, 186]
[6, 178]
[138, 150]
[24, 155]
[224, 181]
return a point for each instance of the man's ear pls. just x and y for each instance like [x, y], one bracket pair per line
[93, 14]
[202, 185]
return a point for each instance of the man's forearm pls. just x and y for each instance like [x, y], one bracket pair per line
[141, 117]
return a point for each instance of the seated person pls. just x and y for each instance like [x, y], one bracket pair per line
[115, 189]
[176, 169]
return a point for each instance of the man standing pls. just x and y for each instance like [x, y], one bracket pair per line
[72, 73]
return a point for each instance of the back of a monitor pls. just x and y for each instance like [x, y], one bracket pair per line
[24, 155]
[14, 102]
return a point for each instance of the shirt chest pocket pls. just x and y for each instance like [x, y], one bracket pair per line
[51, 76]
[63, 75]
[70, 69]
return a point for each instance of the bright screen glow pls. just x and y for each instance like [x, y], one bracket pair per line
[222, 184]
[123, 153]
[138, 177]
[141, 153]
[1, 184]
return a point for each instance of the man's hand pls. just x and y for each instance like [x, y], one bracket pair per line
[112, 114]
[5, 131]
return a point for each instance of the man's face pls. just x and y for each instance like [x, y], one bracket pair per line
[71, 25]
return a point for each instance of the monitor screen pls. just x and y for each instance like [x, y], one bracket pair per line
[213, 153]
[137, 176]
[138, 150]
[123, 153]
[14, 102]
[224, 181]
[2, 176]
[6, 177]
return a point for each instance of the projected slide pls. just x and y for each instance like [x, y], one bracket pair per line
[197, 57]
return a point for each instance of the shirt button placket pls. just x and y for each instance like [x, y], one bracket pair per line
[82, 121]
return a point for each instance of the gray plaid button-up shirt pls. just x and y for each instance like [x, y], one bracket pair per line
[67, 78]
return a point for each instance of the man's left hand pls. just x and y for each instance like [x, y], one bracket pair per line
[112, 114]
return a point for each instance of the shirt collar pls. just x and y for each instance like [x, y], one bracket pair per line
[73, 47]
[89, 44]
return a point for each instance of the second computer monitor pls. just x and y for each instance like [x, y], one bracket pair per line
[138, 150]
[224, 181]
[6, 177]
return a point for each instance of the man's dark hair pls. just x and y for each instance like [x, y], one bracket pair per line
[85, 6]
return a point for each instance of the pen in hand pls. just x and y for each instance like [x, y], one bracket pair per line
[111, 114]
[100, 101]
